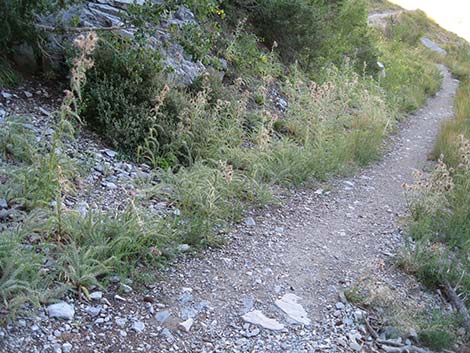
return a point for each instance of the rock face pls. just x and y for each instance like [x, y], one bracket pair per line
[428, 43]
[183, 70]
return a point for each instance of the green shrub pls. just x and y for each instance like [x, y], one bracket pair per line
[124, 85]
[312, 33]
[436, 339]
[410, 76]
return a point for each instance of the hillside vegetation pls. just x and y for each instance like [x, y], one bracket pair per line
[301, 99]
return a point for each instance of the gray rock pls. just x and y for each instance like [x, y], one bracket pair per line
[3, 203]
[61, 310]
[250, 222]
[109, 185]
[162, 316]
[114, 279]
[256, 317]
[339, 305]
[428, 43]
[138, 326]
[110, 153]
[181, 68]
[96, 295]
[183, 247]
[28, 94]
[168, 335]
[93, 311]
[248, 303]
[127, 289]
[6, 95]
[289, 304]
[3, 114]
[281, 103]
[121, 322]
[67, 347]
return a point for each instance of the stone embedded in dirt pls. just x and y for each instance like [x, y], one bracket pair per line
[248, 303]
[162, 316]
[44, 111]
[183, 247]
[355, 346]
[126, 288]
[3, 203]
[109, 153]
[67, 347]
[118, 297]
[339, 305]
[289, 304]
[186, 325]
[168, 335]
[279, 230]
[28, 94]
[114, 279]
[138, 326]
[96, 295]
[61, 310]
[110, 185]
[256, 317]
[250, 222]
[120, 321]
[6, 95]
[93, 311]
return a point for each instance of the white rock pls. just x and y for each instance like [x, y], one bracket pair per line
[256, 317]
[6, 95]
[28, 94]
[289, 304]
[96, 295]
[138, 326]
[61, 310]
[67, 347]
[109, 153]
[183, 247]
[249, 221]
[186, 325]
[126, 288]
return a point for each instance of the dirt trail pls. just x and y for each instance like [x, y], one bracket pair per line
[319, 242]
[328, 240]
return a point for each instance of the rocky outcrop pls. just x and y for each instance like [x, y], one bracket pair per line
[109, 14]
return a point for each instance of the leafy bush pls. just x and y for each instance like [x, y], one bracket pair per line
[122, 88]
[310, 32]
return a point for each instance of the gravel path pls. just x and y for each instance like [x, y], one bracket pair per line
[319, 242]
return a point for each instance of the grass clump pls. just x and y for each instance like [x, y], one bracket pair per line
[411, 75]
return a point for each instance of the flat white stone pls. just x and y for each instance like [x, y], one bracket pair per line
[289, 304]
[186, 325]
[256, 317]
